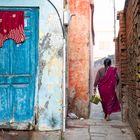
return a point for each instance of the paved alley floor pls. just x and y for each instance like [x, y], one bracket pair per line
[96, 128]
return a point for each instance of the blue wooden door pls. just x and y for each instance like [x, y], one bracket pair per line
[18, 66]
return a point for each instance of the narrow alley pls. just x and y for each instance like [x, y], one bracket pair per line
[55, 55]
[96, 128]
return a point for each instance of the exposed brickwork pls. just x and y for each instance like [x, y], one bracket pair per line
[121, 63]
[128, 61]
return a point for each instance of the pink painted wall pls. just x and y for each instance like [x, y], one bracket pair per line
[78, 57]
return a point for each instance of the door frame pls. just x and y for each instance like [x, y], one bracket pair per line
[26, 125]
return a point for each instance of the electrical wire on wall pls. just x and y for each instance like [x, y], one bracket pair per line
[92, 28]
[63, 32]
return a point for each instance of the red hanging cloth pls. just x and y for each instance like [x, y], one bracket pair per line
[12, 26]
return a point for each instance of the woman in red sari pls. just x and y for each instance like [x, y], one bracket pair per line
[106, 80]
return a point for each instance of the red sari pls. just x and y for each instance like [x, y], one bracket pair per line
[106, 87]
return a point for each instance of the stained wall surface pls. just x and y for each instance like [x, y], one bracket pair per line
[48, 95]
[78, 57]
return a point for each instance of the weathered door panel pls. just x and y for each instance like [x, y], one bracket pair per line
[18, 64]
[4, 58]
[5, 104]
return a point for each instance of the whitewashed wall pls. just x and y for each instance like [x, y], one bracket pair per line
[48, 96]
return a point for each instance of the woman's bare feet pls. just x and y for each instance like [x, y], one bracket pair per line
[107, 118]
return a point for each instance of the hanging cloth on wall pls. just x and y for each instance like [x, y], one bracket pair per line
[11, 26]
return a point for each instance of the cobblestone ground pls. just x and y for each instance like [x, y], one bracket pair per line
[96, 128]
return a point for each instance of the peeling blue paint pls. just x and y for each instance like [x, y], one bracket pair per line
[48, 97]
[18, 78]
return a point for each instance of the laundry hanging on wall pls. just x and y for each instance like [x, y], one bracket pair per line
[11, 26]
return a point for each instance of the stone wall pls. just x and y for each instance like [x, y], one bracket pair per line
[128, 61]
